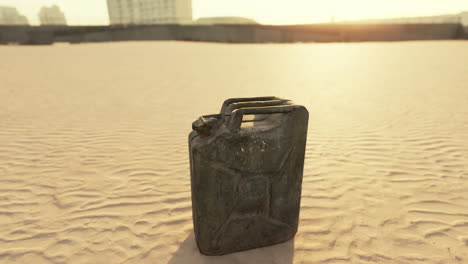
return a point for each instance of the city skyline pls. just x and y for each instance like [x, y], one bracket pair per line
[267, 12]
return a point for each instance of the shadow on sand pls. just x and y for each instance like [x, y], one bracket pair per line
[188, 253]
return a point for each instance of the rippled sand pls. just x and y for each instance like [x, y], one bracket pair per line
[94, 157]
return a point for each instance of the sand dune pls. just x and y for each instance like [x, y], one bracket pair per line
[94, 156]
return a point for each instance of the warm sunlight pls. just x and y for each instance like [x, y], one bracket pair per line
[311, 11]
[233, 131]
[307, 11]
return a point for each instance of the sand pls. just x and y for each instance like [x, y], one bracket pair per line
[94, 157]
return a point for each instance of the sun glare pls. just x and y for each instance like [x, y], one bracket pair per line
[308, 11]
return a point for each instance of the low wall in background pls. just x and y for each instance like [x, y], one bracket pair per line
[40, 35]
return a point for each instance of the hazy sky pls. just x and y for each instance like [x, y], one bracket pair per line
[264, 11]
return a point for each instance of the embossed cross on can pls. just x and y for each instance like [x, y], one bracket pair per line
[246, 166]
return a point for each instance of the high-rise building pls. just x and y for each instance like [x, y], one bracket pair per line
[149, 11]
[52, 16]
[11, 16]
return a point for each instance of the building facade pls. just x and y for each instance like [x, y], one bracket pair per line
[123, 12]
[11, 16]
[52, 16]
[464, 18]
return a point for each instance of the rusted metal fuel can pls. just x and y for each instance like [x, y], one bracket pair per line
[246, 167]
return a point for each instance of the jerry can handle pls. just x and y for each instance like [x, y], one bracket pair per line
[246, 99]
[233, 106]
[235, 121]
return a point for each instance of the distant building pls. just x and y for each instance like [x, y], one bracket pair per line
[52, 16]
[123, 12]
[225, 20]
[464, 18]
[11, 16]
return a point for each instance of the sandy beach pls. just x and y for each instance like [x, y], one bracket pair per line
[94, 155]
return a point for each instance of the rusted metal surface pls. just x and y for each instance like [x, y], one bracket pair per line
[246, 174]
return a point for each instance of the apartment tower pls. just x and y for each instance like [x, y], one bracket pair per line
[52, 16]
[122, 12]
